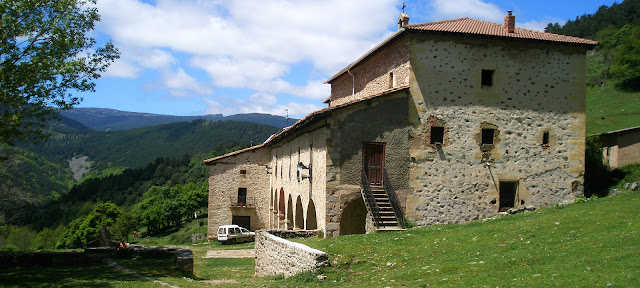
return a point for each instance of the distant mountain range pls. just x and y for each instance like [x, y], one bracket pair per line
[102, 119]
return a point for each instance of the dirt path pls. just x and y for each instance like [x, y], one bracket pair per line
[241, 253]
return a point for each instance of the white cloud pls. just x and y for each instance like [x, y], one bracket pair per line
[539, 25]
[239, 72]
[181, 84]
[257, 103]
[478, 9]
[251, 44]
[133, 60]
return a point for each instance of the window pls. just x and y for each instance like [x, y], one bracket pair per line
[487, 136]
[437, 135]
[391, 80]
[487, 77]
[243, 172]
[242, 196]
[545, 138]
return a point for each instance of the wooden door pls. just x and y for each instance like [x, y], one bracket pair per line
[373, 156]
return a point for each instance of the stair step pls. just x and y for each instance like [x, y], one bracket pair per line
[390, 228]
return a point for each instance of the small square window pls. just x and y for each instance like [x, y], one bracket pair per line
[243, 172]
[487, 136]
[437, 135]
[487, 77]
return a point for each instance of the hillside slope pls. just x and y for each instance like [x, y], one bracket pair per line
[102, 119]
[590, 244]
[137, 147]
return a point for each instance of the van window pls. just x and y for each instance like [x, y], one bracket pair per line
[221, 231]
[236, 231]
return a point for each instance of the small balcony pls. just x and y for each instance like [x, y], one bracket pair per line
[242, 202]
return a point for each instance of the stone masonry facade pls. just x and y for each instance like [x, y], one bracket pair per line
[277, 256]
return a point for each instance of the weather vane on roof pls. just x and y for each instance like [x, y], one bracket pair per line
[403, 6]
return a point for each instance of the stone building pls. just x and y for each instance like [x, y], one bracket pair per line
[443, 122]
[621, 147]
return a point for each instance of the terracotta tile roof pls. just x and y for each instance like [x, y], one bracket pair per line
[307, 120]
[470, 26]
[479, 27]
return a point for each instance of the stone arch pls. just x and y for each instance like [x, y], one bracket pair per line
[299, 223]
[281, 202]
[312, 223]
[290, 214]
[353, 218]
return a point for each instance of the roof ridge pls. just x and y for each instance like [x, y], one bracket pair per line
[438, 22]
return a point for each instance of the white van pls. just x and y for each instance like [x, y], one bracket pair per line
[233, 234]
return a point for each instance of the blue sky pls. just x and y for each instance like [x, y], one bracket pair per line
[196, 57]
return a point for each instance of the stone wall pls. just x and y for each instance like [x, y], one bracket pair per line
[296, 201]
[91, 256]
[536, 88]
[383, 70]
[275, 256]
[382, 120]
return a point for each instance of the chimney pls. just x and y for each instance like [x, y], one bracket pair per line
[510, 22]
[403, 20]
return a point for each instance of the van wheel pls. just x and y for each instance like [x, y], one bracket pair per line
[233, 241]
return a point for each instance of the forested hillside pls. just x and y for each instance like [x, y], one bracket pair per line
[101, 119]
[613, 67]
[147, 176]
[137, 147]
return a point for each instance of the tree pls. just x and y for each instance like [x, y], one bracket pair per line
[626, 65]
[45, 52]
[123, 227]
[85, 229]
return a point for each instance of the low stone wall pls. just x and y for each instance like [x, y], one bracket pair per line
[33, 259]
[275, 256]
[183, 256]
[293, 233]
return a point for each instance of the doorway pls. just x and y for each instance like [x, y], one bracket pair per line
[373, 158]
[242, 221]
[353, 218]
[508, 192]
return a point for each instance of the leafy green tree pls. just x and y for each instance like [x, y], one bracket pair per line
[626, 64]
[46, 51]
[47, 238]
[85, 229]
[22, 237]
[124, 226]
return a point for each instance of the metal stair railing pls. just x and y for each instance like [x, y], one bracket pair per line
[369, 200]
[393, 198]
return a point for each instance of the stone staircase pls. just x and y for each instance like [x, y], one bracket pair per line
[387, 220]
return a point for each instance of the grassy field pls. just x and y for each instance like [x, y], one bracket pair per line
[611, 109]
[590, 244]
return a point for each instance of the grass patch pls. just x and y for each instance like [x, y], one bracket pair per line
[611, 109]
[586, 244]
[180, 237]
[72, 276]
